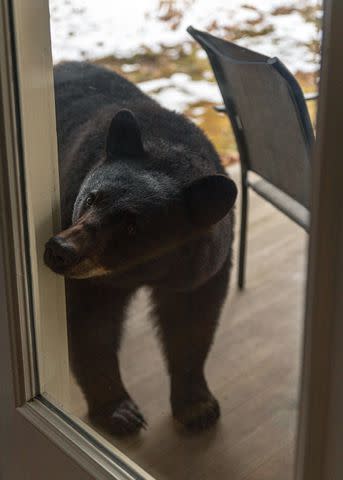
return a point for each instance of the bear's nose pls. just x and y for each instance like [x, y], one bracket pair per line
[59, 254]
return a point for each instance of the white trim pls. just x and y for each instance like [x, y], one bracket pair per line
[97, 456]
[13, 215]
[38, 129]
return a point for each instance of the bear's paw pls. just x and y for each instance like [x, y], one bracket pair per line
[199, 414]
[122, 418]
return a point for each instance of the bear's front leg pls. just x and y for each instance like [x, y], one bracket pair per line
[95, 318]
[187, 322]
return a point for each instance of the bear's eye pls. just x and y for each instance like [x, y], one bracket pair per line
[131, 229]
[131, 224]
[90, 199]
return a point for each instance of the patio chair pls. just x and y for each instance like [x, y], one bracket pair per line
[272, 127]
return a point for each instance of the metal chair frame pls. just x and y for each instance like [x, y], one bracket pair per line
[296, 95]
[245, 184]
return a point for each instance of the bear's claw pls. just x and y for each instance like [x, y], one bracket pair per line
[127, 418]
[122, 419]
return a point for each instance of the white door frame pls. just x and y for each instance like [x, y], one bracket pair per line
[320, 438]
[27, 89]
[36, 438]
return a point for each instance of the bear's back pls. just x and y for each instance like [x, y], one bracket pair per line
[83, 89]
[80, 80]
[87, 96]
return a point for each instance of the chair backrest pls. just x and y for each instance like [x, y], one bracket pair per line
[268, 113]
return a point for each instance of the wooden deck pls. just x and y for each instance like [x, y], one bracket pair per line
[253, 369]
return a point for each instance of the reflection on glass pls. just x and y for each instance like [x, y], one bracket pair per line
[147, 241]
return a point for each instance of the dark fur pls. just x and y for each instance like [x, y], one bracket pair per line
[186, 266]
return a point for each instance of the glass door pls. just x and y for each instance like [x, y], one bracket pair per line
[65, 409]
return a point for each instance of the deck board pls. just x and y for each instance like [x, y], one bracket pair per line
[253, 369]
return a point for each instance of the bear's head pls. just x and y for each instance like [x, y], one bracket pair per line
[126, 213]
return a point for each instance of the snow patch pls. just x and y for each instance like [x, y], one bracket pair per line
[179, 91]
[88, 29]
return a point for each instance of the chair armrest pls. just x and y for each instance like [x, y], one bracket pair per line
[308, 97]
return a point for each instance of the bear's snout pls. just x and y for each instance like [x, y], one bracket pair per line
[60, 255]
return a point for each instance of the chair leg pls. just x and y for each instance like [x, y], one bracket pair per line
[243, 234]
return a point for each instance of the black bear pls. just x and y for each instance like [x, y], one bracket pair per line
[145, 201]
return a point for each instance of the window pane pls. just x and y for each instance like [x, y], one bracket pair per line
[183, 374]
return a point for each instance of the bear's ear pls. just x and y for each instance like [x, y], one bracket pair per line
[209, 199]
[124, 136]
